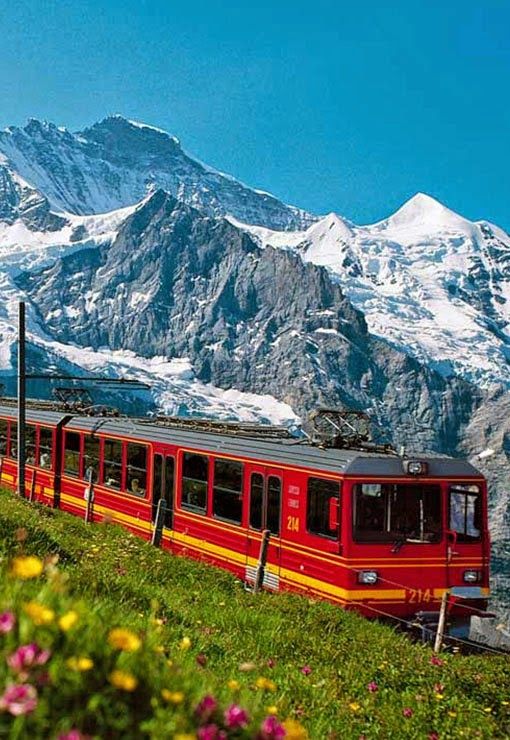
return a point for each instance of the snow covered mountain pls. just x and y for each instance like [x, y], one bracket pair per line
[113, 163]
[431, 282]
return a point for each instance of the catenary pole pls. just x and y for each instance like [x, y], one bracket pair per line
[21, 399]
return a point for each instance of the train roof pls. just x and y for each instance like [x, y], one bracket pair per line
[287, 452]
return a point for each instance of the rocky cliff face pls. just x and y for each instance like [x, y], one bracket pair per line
[176, 283]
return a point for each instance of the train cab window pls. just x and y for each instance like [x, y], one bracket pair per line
[112, 463]
[399, 513]
[322, 494]
[256, 499]
[13, 440]
[3, 437]
[30, 444]
[91, 459]
[45, 446]
[274, 496]
[136, 481]
[72, 454]
[466, 512]
[228, 490]
[195, 478]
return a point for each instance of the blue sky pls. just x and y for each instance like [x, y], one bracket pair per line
[330, 105]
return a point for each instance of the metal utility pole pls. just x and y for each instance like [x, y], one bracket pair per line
[21, 399]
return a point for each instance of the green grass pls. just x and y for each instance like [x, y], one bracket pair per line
[114, 579]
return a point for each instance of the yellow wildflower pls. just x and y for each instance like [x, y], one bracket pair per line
[38, 613]
[185, 643]
[294, 731]
[439, 696]
[273, 709]
[233, 685]
[265, 684]
[488, 710]
[123, 639]
[505, 703]
[68, 620]
[80, 664]
[173, 697]
[159, 649]
[354, 706]
[170, 663]
[184, 736]
[122, 680]
[452, 714]
[26, 567]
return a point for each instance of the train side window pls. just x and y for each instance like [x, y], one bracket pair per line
[466, 512]
[72, 454]
[91, 458]
[112, 463]
[321, 494]
[256, 498]
[13, 440]
[30, 444]
[3, 437]
[45, 448]
[195, 478]
[136, 481]
[274, 496]
[228, 490]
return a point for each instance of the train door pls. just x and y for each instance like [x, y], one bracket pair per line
[163, 487]
[466, 541]
[264, 496]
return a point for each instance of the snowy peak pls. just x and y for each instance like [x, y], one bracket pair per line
[113, 163]
[424, 214]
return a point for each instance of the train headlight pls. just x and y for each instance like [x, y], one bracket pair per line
[471, 576]
[416, 467]
[368, 577]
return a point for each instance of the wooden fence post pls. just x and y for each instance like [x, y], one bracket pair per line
[157, 532]
[261, 565]
[441, 623]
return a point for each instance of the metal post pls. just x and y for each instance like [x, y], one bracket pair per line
[157, 532]
[261, 565]
[32, 486]
[89, 495]
[441, 623]
[21, 399]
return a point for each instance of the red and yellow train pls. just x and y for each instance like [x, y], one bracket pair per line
[373, 531]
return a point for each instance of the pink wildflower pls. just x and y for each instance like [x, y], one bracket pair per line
[407, 712]
[236, 716]
[373, 687]
[271, 663]
[439, 688]
[26, 657]
[7, 622]
[433, 736]
[211, 732]
[73, 735]
[434, 660]
[206, 708]
[306, 670]
[271, 729]
[201, 659]
[19, 699]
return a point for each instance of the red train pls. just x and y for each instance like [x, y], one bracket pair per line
[373, 531]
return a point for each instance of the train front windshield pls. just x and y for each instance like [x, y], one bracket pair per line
[389, 512]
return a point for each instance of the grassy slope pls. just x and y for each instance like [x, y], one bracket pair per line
[124, 578]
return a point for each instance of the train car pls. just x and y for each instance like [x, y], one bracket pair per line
[368, 530]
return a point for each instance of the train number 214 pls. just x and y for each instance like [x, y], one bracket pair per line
[417, 595]
[293, 523]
